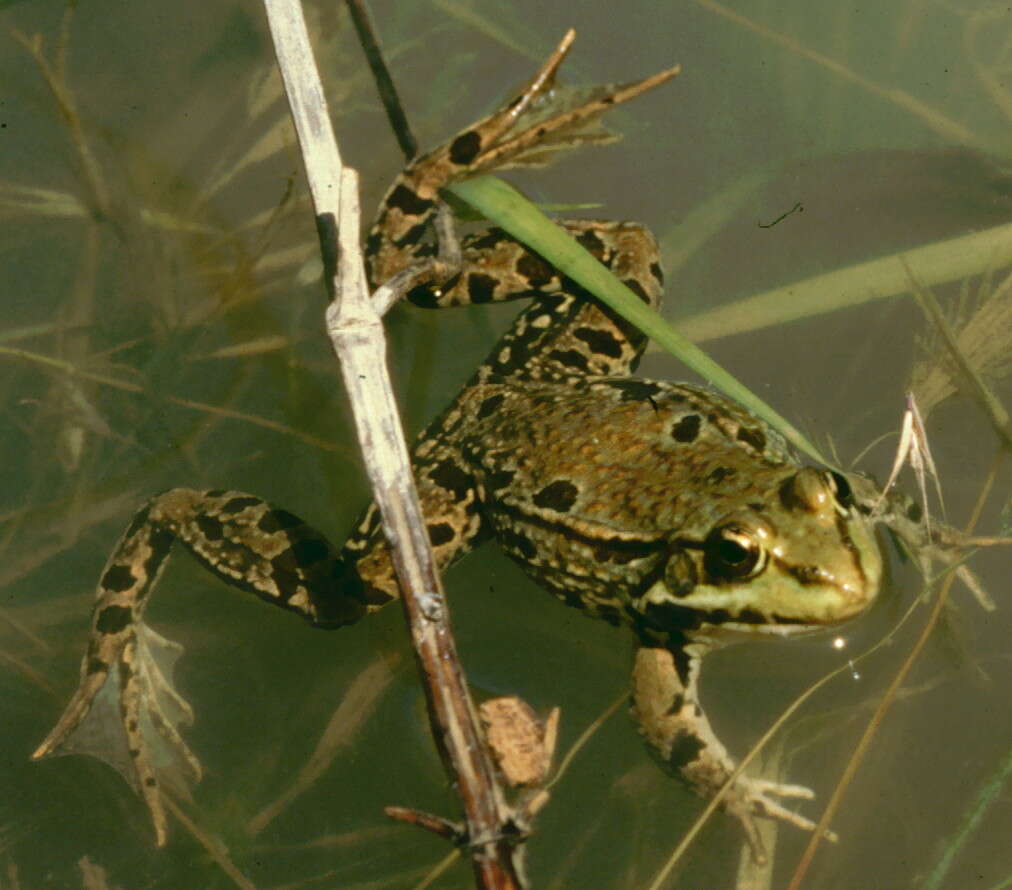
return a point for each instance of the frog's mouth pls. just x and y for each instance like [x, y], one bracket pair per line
[775, 605]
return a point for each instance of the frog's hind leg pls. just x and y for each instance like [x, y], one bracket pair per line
[242, 539]
[450, 498]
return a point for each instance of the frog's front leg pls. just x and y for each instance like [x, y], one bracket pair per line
[242, 539]
[666, 705]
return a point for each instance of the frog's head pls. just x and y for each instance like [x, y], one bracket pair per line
[800, 557]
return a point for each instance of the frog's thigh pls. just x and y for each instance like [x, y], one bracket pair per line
[449, 499]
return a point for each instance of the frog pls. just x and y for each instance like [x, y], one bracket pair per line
[660, 507]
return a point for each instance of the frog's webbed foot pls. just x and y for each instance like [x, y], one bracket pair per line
[540, 121]
[125, 710]
[130, 717]
[751, 797]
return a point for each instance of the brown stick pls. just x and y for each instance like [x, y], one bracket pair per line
[381, 75]
[357, 335]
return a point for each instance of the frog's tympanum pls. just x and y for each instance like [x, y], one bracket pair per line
[655, 505]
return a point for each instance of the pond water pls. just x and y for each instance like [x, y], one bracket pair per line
[800, 139]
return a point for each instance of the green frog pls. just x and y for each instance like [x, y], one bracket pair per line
[659, 506]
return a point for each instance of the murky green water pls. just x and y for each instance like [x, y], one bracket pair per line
[193, 296]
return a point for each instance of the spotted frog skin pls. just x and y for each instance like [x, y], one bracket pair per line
[659, 506]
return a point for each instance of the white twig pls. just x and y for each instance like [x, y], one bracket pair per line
[356, 331]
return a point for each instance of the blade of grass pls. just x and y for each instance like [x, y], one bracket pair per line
[507, 208]
[985, 797]
[933, 264]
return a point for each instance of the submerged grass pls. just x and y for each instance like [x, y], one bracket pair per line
[970, 823]
[951, 260]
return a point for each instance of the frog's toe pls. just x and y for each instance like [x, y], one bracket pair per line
[756, 798]
[765, 787]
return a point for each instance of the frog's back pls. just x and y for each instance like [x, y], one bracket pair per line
[588, 484]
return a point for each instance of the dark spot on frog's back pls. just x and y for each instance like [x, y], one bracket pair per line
[489, 406]
[499, 479]
[719, 474]
[591, 242]
[634, 390]
[570, 358]
[238, 504]
[601, 342]
[161, 544]
[754, 437]
[685, 750]
[407, 201]
[676, 704]
[138, 522]
[637, 289]
[465, 148]
[486, 240]
[411, 236]
[448, 474]
[210, 527]
[559, 495]
[440, 533]
[687, 428]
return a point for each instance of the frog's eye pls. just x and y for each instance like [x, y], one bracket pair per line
[732, 552]
[841, 489]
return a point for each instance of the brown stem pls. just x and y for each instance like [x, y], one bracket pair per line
[357, 334]
[384, 82]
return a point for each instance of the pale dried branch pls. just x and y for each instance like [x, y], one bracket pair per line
[357, 334]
